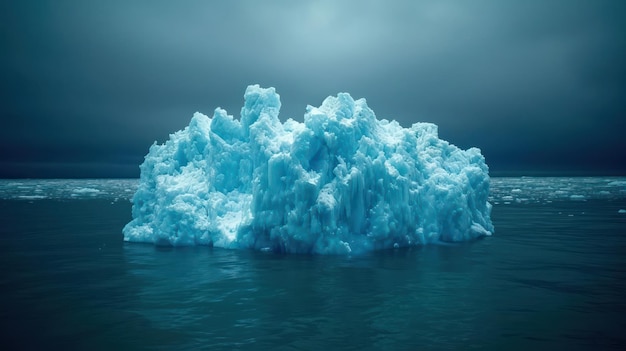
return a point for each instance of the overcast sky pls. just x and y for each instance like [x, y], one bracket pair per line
[87, 86]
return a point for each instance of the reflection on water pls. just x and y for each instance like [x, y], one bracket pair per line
[263, 299]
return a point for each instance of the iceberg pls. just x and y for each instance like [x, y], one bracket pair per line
[341, 182]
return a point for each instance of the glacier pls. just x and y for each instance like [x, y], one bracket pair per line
[341, 182]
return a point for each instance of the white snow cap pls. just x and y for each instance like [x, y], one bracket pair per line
[341, 182]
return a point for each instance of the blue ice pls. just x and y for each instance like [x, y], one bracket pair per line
[341, 182]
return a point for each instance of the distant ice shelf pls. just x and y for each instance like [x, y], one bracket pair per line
[341, 182]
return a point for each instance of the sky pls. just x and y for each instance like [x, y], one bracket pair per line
[539, 86]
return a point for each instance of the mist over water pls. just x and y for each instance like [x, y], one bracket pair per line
[552, 276]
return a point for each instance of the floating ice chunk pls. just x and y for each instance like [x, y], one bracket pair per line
[32, 197]
[577, 197]
[621, 211]
[341, 182]
[480, 230]
[85, 191]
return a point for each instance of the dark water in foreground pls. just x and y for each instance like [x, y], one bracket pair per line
[552, 277]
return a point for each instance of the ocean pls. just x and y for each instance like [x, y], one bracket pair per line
[553, 276]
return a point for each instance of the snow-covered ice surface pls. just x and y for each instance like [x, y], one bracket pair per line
[341, 182]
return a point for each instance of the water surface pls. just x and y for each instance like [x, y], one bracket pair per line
[551, 277]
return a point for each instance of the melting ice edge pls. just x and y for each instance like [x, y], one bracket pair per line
[341, 182]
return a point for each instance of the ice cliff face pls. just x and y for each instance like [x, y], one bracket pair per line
[341, 182]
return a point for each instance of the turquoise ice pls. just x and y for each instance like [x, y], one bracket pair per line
[341, 182]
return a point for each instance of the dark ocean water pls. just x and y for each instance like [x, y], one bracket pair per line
[553, 276]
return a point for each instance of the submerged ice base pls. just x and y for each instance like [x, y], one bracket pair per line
[341, 182]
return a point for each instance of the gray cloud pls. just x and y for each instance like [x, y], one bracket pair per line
[533, 83]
